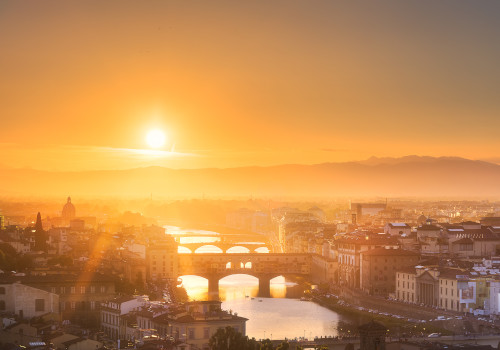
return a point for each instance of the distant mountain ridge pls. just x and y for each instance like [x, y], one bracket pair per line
[406, 176]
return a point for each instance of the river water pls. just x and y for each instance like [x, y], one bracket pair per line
[282, 316]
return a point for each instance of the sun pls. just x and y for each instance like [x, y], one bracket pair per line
[156, 138]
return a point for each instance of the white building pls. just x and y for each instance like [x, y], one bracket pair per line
[112, 310]
[397, 229]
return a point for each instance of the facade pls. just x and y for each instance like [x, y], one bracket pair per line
[296, 223]
[471, 239]
[432, 240]
[449, 294]
[494, 299]
[79, 295]
[195, 322]
[162, 262]
[378, 269]
[27, 302]
[349, 249]
[448, 288]
[372, 336]
[324, 269]
[397, 229]
[112, 312]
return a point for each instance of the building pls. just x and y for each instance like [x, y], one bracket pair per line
[378, 269]
[432, 240]
[372, 336]
[471, 240]
[448, 288]
[397, 229]
[293, 221]
[363, 211]
[79, 294]
[195, 322]
[112, 312]
[26, 301]
[349, 248]
[162, 260]
[68, 211]
[324, 269]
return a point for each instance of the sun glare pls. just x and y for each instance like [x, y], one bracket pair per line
[155, 138]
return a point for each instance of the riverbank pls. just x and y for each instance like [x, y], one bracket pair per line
[397, 325]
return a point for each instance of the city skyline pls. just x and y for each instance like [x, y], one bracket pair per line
[240, 84]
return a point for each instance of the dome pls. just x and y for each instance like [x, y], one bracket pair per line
[68, 211]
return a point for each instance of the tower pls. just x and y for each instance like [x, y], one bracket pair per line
[372, 336]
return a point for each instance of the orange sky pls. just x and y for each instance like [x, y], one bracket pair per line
[246, 83]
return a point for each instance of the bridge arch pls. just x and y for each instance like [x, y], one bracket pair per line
[263, 250]
[183, 250]
[236, 249]
[208, 248]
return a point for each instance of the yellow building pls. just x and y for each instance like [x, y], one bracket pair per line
[195, 322]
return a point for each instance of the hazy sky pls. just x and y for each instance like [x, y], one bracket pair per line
[246, 82]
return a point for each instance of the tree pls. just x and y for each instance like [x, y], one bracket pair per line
[229, 339]
[283, 346]
[266, 344]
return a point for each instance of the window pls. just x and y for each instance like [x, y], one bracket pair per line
[103, 289]
[2, 305]
[206, 332]
[73, 290]
[191, 333]
[53, 290]
[39, 305]
[92, 289]
[82, 289]
[2, 290]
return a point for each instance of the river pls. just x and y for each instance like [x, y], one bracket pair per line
[282, 316]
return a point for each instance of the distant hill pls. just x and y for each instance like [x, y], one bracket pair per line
[407, 176]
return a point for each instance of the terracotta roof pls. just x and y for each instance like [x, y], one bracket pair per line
[384, 252]
[463, 241]
[406, 269]
[428, 228]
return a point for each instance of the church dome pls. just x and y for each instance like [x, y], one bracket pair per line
[68, 211]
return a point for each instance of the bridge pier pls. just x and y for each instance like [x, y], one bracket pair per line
[213, 288]
[264, 286]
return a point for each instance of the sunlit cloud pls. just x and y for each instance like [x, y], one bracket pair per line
[77, 158]
[133, 151]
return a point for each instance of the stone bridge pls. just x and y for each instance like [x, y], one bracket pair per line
[225, 246]
[265, 267]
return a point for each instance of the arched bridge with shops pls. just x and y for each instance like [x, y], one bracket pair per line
[265, 267]
[225, 246]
